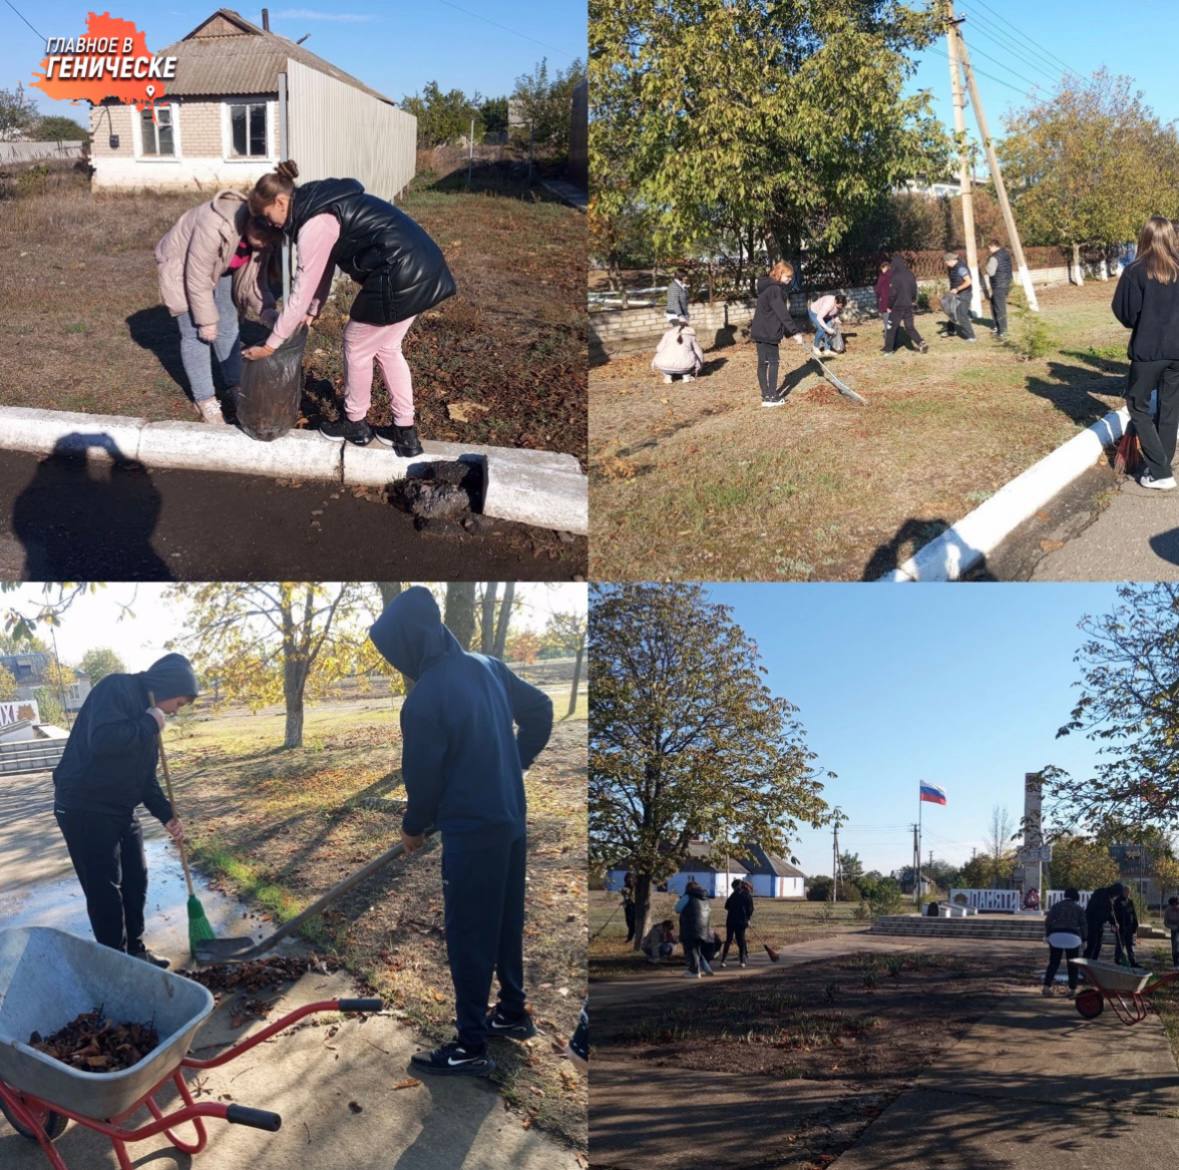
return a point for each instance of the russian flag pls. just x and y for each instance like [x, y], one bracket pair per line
[932, 793]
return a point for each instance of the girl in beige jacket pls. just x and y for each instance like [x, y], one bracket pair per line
[212, 265]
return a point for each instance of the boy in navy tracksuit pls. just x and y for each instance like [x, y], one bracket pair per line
[463, 764]
[107, 770]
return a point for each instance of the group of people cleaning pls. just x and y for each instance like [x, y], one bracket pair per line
[1072, 930]
[700, 942]
[218, 261]
[679, 354]
[470, 728]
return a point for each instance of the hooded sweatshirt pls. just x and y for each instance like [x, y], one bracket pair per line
[462, 760]
[109, 763]
[771, 319]
[1150, 309]
[902, 285]
[678, 352]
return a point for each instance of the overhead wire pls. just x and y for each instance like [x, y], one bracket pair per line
[1034, 43]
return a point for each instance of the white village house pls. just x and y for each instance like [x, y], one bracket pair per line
[221, 120]
[770, 876]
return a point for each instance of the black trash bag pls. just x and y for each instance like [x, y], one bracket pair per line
[269, 397]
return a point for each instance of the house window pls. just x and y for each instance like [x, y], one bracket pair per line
[248, 124]
[157, 131]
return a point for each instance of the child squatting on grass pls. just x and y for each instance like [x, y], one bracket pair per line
[212, 265]
[824, 317]
[401, 272]
[678, 352]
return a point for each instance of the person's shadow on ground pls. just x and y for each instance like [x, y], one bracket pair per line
[1073, 389]
[82, 522]
[908, 539]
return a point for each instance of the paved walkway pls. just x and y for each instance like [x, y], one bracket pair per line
[309, 1076]
[1031, 1087]
[1136, 538]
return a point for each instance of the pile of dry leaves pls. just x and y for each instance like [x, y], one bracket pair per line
[93, 1043]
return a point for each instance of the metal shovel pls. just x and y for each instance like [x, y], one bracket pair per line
[238, 950]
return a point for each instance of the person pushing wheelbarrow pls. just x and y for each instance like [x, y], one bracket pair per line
[107, 770]
[463, 763]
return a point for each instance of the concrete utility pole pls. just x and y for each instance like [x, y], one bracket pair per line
[917, 866]
[1025, 277]
[965, 169]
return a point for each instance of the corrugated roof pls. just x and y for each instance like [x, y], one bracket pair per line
[241, 58]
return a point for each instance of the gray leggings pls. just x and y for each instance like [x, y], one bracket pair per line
[194, 353]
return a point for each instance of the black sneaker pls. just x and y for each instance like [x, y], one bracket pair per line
[579, 1041]
[514, 1028]
[453, 1060]
[403, 440]
[344, 429]
[148, 957]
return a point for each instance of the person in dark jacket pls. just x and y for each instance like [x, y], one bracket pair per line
[960, 285]
[1146, 301]
[463, 763]
[1126, 917]
[401, 272]
[108, 769]
[738, 912]
[771, 322]
[694, 910]
[1065, 929]
[902, 298]
[677, 298]
[882, 285]
[999, 274]
[1098, 915]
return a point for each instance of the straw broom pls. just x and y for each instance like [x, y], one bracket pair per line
[199, 929]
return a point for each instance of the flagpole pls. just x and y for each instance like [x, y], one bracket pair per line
[920, 842]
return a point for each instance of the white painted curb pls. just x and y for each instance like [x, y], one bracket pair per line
[963, 545]
[542, 488]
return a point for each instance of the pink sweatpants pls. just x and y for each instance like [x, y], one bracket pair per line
[363, 343]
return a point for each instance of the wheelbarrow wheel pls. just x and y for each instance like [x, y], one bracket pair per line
[1090, 1003]
[54, 1124]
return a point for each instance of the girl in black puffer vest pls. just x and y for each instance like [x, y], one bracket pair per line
[401, 272]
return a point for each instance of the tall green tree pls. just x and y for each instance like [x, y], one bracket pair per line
[543, 101]
[686, 740]
[1129, 709]
[442, 117]
[100, 661]
[773, 122]
[56, 128]
[1089, 164]
[7, 685]
[1080, 862]
[18, 113]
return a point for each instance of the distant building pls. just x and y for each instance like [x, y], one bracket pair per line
[29, 670]
[770, 876]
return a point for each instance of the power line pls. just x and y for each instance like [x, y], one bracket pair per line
[504, 28]
[1013, 72]
[1035, 44]
[22, 16]
[999, 80]
[1008, 44]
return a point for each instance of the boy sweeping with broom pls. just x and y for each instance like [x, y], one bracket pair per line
[463, 762]
[107, 770]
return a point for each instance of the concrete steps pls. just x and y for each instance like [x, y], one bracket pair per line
[997, 927]
[33, 755]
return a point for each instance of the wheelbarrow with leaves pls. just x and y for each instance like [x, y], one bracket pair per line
[1126, 989]
[49, 978]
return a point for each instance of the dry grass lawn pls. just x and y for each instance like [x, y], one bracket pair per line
[699, 482]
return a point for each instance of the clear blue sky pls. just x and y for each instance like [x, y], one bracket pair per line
[962, 685]
[1077, 35]
[396, 46]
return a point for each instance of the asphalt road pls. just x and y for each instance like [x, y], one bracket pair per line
[67, 520]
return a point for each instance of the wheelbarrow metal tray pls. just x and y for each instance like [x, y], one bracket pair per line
[48, 978]
[1111, 977]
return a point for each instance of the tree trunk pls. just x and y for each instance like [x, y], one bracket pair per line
[576, 680]
[460, 611]
[1078, 277]
[293, 684]
[642, 909]
[505, 614]
[487, 634]
[390, 590]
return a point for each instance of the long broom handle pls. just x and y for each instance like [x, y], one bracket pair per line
[171, 799]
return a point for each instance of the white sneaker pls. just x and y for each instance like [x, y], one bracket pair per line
[210, 411]
[1161, 485]
[723, 964]
[691, 974]
[689, 377]
[744, 964]
[817, 351]
[1046, 992]
[773, 401]
[667, 378]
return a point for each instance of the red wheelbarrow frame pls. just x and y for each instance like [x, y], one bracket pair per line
[1130, 1007]
[33, 1112]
